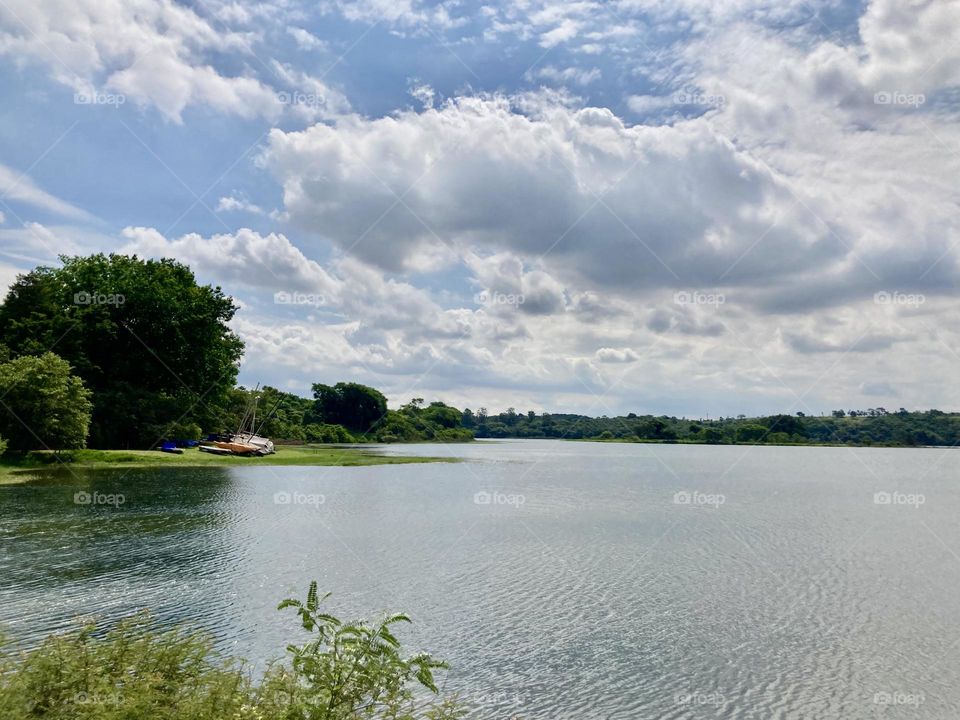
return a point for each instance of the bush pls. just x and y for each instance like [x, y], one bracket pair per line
[44, 406]
[135, 671]
[182, 431]
[319, 433]
[751, 433]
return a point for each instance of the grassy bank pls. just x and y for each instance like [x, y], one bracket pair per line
[13, 470]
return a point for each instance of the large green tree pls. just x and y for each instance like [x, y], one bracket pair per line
[43, 406]
[149, 341]
[355, 406]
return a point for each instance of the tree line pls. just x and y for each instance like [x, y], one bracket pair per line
[843, 427]
[115, 351]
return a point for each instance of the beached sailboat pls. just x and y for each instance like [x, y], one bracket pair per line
[246, 440]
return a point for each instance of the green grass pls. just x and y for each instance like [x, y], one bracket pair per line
[14, 470]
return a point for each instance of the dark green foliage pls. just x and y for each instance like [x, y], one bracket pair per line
[355, 406]
[785, 424]
[279, 414]
[42, 405]
[751, 433]
[874, 426]
[438, 422]
[328, 434]
[151, 343]
[136, 671]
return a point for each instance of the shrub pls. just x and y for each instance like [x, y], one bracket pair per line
[136, 671]
[44, 406]
[320, 433]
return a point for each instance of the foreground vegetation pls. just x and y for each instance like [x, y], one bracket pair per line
[20, 468]
[136, 671]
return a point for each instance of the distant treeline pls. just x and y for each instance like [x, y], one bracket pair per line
[875, 426]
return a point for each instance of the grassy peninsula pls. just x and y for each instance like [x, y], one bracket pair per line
[14, 469]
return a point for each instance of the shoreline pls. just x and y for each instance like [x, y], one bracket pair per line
[20, 470]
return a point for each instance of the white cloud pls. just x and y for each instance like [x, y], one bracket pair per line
[229, 203]
[400, 13]
[155, 53]
[575, 75]
[616, 355]
[305, 39]
[576, 186]
[19, 187]
[245, 257]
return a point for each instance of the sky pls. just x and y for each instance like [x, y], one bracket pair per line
[682, 207]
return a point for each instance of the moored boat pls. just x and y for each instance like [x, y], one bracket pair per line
[246, 440]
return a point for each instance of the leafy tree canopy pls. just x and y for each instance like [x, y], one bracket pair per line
[42, 405]
[149, 341]
[355, 406]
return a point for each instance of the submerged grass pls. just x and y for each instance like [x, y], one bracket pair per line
[21, 469]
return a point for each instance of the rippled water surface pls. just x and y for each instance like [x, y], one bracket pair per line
[585, 580]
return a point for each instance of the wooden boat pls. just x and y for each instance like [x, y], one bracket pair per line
[246, 441]
[214, 450]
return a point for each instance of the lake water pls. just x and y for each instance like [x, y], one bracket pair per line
[560, 579]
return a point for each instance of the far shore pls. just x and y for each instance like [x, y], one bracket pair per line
[22, 469]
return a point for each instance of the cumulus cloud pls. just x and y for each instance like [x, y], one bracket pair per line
[616, 355]
[156, 53]
[245, 257]
[616, 206]
[230, 203]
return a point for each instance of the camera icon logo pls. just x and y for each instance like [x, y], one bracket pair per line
[82, 498]
[482, 498]
[282, 498]
[681, 498]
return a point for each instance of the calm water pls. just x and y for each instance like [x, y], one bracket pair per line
[598, 581]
